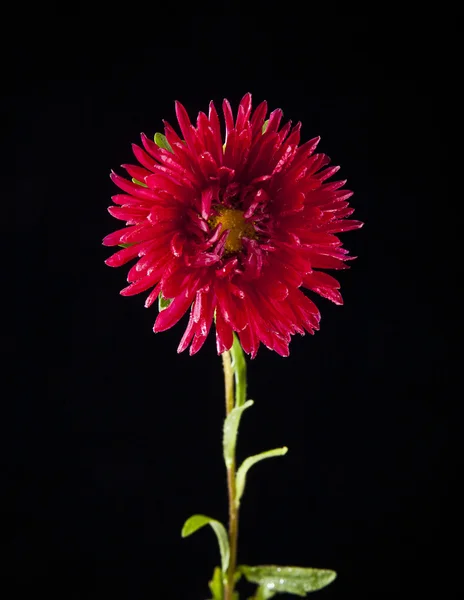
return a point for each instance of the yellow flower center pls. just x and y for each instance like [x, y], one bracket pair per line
[233, 221]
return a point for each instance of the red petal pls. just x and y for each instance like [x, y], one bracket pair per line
[244, 110]
[206, 259]
[324, 285]
[139, 233]
[126, 199]
[130, 214]
[136, 172]
[228, 117]
[152, 296]
[143, 158]
[216, 129]
[232, 308]
[177, 244]
[132, 188]
[123, 256]
[166, 173]
[186, 127]
[224, 334]
[188, 334]
[113, 239]
[285, 273]
[206, 199]
[294, 137]
[258, 118]
[326, 173]
[175, 279]
[149, 146]
[342, 226]
[171, 135]
[284, 131]
[227, 269]
[320, 261]
[208, 166]
[141, 285]
[176, 310]
[203, 313]
[274, 121]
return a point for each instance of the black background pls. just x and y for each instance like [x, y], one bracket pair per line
[125, 443]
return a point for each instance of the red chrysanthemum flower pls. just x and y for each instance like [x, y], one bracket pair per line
[232, 230]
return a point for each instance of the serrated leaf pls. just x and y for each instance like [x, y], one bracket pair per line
[163, 302]
[229, 439]
[137, 182]
[125, 245]
[216, 585]
[240, 372]
[265, 124]
[293, 580]
[248, 463]
[197, 522]
[162, 142]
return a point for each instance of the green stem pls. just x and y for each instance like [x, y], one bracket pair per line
[231, 483]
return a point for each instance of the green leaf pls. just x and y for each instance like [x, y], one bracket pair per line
[162, 142]
[197, 522]
[293, 580]
[248, 463]
[163, 302]
[229, 439]
[216, 585]
[125, 245]
[240, 372]
[265, 124]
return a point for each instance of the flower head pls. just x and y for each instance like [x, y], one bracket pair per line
[232, 228]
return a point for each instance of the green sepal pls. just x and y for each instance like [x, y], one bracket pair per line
[162, 142]
[125, 245]
[163, 302]
[137, 182]
[196, 522]
[246, 465]
[265, 124]
[240, 372]
[298, 581]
